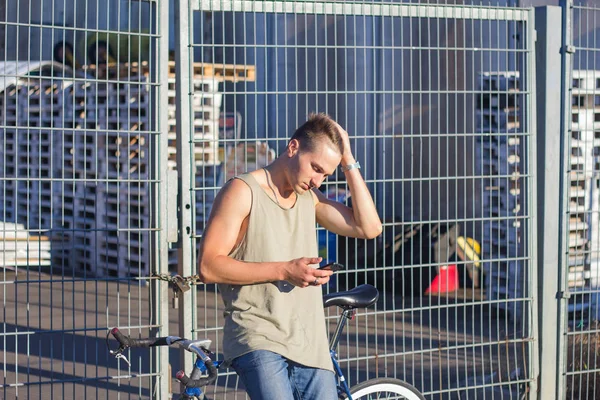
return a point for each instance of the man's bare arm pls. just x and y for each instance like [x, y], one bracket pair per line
[230, 209]
[362, 220]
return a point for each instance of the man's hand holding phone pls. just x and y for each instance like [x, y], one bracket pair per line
[332, 267]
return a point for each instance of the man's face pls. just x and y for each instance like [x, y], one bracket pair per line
[311, 167]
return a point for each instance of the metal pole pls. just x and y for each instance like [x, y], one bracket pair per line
[566, 51]
[160, 291]
[528, 31]
[550, 122]
[183, 17]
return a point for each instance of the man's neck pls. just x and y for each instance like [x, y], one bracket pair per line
[279, 179]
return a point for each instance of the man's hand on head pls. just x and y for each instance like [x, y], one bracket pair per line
[347, 157]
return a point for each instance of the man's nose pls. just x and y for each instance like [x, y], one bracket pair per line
[316, 182]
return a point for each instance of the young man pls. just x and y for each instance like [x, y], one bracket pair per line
[260, 246]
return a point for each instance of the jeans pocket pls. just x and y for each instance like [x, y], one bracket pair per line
[252, 360]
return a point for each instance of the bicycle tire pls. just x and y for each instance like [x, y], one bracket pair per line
[385, 388]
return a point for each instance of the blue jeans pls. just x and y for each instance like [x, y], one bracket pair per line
[269, 376]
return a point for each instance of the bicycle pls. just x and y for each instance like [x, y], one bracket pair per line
[205, 369]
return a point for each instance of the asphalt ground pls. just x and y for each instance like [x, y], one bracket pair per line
[53, 341]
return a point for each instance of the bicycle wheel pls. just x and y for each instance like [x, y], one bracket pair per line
[385, 388]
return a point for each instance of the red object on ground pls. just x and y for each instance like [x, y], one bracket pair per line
[446, 280]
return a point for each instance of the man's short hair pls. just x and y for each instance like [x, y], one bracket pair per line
[318, 127]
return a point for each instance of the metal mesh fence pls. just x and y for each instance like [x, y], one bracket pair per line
[437, 101]
[582, 174]
[79, 189]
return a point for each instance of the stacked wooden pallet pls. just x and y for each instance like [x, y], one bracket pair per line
[212, 132]
[30, 107]
[584, 199]
[20, 249]
[499, 162]
[498, 159]
[77, 160]
[109, 153]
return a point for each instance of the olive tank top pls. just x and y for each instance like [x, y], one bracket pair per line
[276, 316]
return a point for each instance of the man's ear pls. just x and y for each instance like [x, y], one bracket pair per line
[293, 147]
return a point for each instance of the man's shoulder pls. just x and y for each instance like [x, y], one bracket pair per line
[234, 197]
[238, 186]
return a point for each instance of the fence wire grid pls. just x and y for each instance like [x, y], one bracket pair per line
[80, 185]
[437, 104]
[120, 123]
[581, 239]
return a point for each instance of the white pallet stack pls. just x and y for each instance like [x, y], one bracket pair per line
[98, 153]
[127, 107]
[88, 235]
[206, 103]
[94, 146]
[498, 160]
[8, 141]
[119, 158]
[498, 120]
[75, 237]
[594, 217]
[78, 159]
[20, 249]
[115, 223]
[124, 249]
[206, 129]
[74, 164]
[30, 105]
[75, 234]
[127, 221]
[37, 100]
[32, 109]
[8, 106]
[77, 98]
[496, 108]
[8, 189]
[136, 242]
[584, 268]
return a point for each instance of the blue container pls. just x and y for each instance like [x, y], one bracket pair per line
[327, 241]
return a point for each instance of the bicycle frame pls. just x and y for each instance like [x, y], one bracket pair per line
[195, 380]
[342, 387]
[347, 314]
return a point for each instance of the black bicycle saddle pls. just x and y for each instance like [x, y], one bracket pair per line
[360, 296]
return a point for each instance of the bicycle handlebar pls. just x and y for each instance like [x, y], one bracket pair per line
[192, 346]
[127, 341]
[188, 382]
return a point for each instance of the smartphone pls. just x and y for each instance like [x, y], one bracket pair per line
[332, 267]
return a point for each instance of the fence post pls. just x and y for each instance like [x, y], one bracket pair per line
[549, 82]
[160, 290]
[187, 300]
